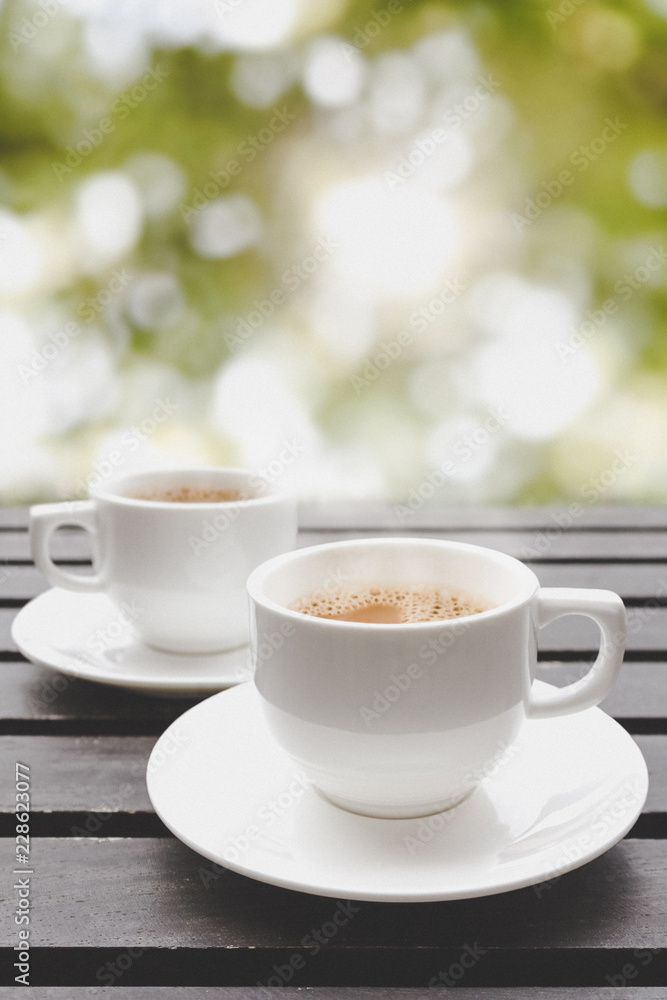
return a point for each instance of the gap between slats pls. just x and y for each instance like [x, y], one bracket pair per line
[92, 824]
[67, 825]
[341, 966]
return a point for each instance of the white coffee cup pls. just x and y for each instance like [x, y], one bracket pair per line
[177, 569]
[402, 720]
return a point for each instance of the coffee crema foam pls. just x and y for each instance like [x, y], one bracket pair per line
[390, 604]
[189, 494]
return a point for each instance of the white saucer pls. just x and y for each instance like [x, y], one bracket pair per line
[85, 636]
[566, 792]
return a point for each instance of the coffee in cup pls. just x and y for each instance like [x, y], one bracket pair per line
[400, 719]
[390, 603]
[184, 493]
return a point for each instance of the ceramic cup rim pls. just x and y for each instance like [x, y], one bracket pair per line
[232, 475]
[259, 577]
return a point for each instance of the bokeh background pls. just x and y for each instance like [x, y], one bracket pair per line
[410, 251]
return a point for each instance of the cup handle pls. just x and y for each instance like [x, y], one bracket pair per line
[44, 519]
[608, 611]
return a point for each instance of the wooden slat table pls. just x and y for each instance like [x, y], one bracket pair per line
[117, 901]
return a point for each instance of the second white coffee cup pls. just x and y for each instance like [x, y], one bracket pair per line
[178, 570]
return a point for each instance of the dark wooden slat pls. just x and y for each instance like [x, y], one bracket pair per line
[523, 544]
[635, 581]
[639, 693]
[107, 774]
[654, 749]
[108, 893]
[13, 517]
[20, 582]
[80, 773]
[314, 516]
[647, 631]
[65, 545]
[630, 580]
[530, 545]
[32, 693]
[353, 516]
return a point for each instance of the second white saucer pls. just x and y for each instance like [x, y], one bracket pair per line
[86, 636]
[563, 794]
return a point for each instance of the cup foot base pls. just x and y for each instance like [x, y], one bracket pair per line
[381, 810]
[175, 650]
